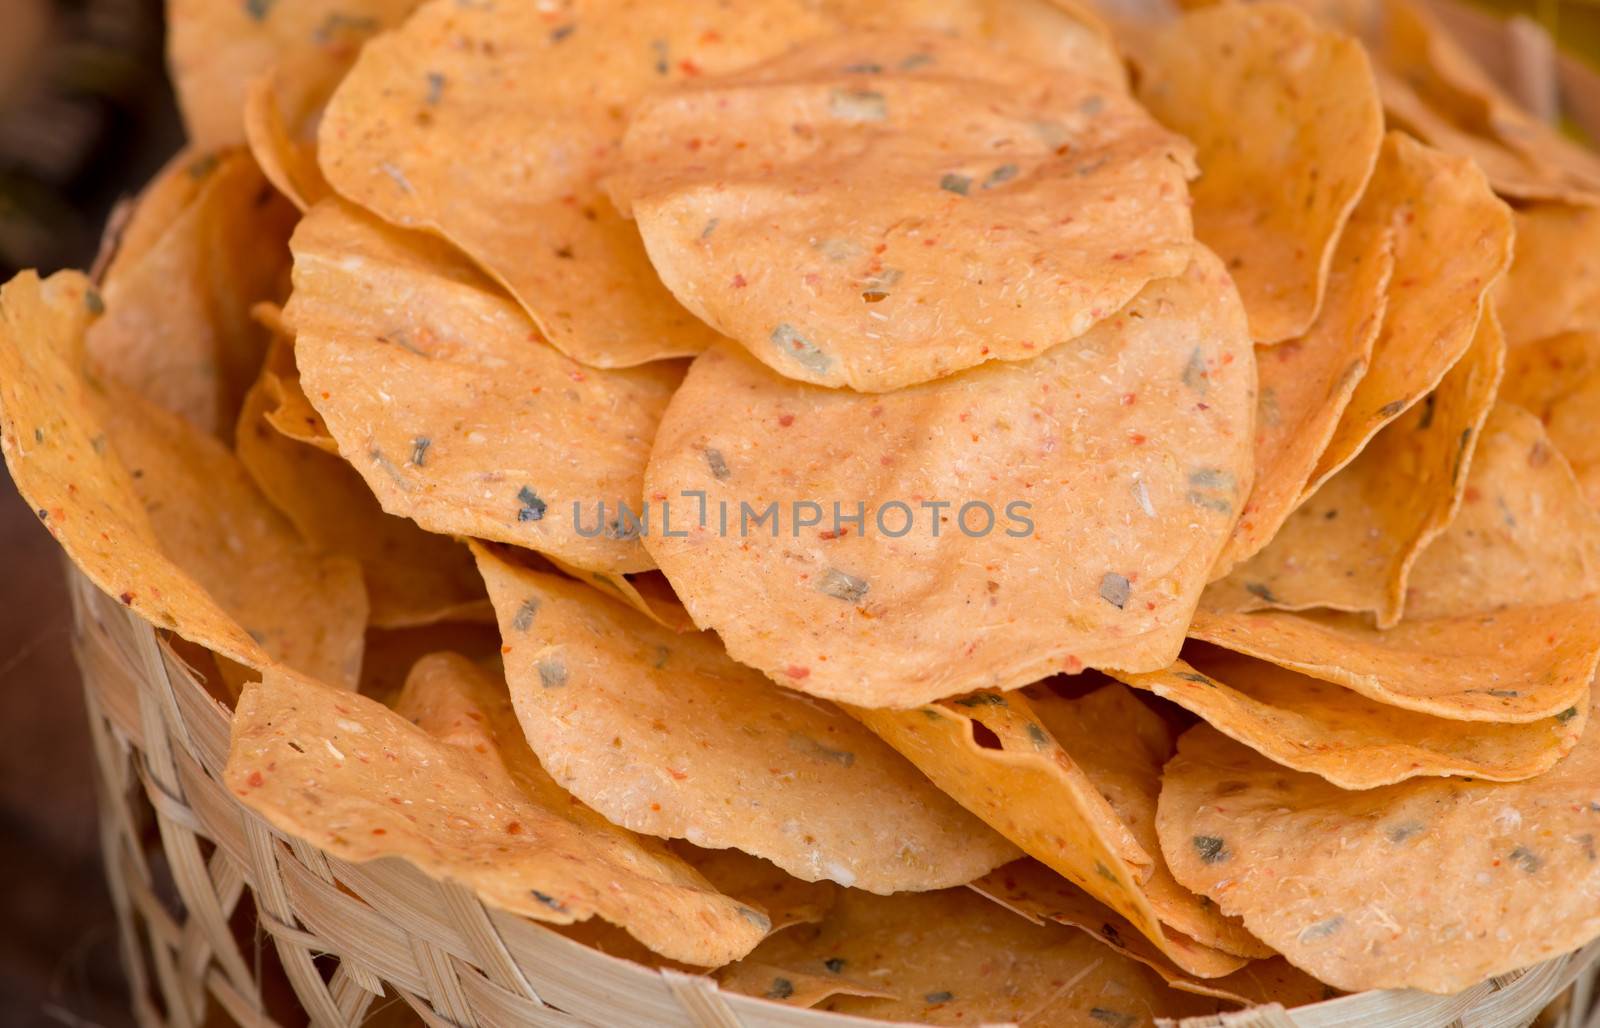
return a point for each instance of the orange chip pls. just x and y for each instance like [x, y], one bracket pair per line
[1513, 666]
[458, 794]
[1478, 878]
[1352, 741]
[1352, 545]
[1304, 385]
[1553, 285]
[177, 325]
[1285, 118]
[1074, 784]
[442, 395]
[1032, 890]
[1452, 240]
[491, 126]
[215, 50]
[665, 735]
[61, 461]
[1558, 379]
[286, 158]
[412, 577]
[954, 958]
[1127, 451]
[947, 204]
[1524, 536]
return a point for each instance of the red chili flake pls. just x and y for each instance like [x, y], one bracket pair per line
[984, 351]
[786, 420]
[710, 36]
[577, 376]
[1072, 664]
[655, 807]
[688, 67]
[505, 649]
[126, 598]
[677, 775]
[739, 282]
[1128, 399]
[797, 672]
[1136, 438]
[1472, 495]
[886, 461]
[694, 144]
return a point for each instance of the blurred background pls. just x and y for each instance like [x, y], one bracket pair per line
[86, 116]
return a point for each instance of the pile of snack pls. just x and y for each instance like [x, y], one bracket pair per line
[942, 510]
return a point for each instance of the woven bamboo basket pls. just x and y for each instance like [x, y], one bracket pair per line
[223, 919]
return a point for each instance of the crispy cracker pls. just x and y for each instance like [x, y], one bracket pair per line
[664, 734]
[1285, 118]
[1352, 741]
[1128, 451]
[947, 204]
[1480, 877]
[463, 799]
[441, 393]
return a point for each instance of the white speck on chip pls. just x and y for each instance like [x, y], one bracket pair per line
[475, 437]
[353, 727]
[1508, 819]
[838, 873]
[1142, 494]
[333, 749]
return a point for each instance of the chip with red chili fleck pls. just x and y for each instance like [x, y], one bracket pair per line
[662, 733]
[946, 204]
[1479, 878]
[1003, 523]
[1285, 118]
[954, 958]
[445, 782]
[1074, 784]
[441, 393]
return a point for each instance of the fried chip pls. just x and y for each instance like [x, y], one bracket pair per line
[290, 411]
[665, 735]
[463, 799]
[1433, 884]
[1352, 545]
[1452, 240]
[177, 325]
[412, 576]
[458, 416]
[1350, 740]
[1510, 173]
[1524, 536]
[955, 958]
[1304, 385]
[1058, 34]
[215, 50]
[1077, 808]
[1553, 285]
[59, 457]
[1287, 125]
[1447, 78]
[1558, 379]
[1517, 665]
[947, 205]
[1127, 450]
[761, 884]
[1031, 890]
[307, 609]
[492, 125]
[287, 160]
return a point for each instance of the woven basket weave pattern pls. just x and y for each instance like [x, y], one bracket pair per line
[160, 743]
